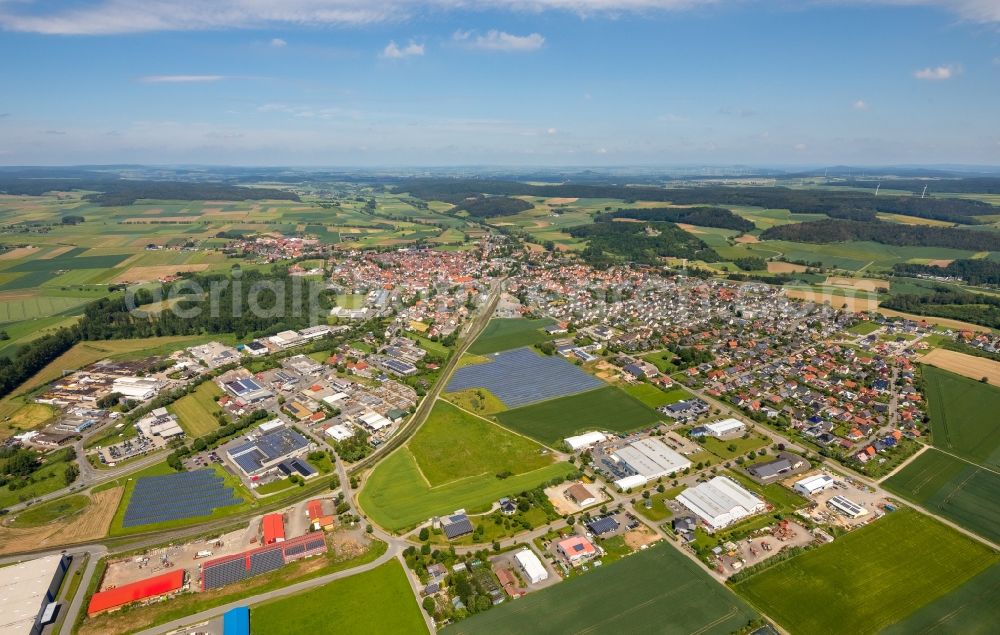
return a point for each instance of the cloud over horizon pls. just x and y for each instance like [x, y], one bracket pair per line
[494, 40]
[110, 17]
[393, 51]
[937, 73]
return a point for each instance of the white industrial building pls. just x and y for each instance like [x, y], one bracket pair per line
[648, 459]
[26, 591]
[141, 388]
[813, 484]
[340, 432]
[160, 423]
[374, 421]
[726, 427]
[585, 440]
[846, 507]
[721, 502]
[531, 565]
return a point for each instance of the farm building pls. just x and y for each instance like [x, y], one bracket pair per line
[273, 528]
[580, 495]
[813, 484]
[721, 502]
[576, 549]
[650, 459]
[456, 525]
[264, 453]
[26, 591]
[846, 507]
[531, 565]
[583, 441]
[719, 429]
[157, 586]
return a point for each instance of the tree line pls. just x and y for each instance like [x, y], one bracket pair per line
[645, 243]
[835, 231]
[486, 206]
[973, 271]
[701, 216]
[975, 308]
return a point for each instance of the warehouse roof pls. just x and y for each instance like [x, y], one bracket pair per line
[141, 590]
[23, 591]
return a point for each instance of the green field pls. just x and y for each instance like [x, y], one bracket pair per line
[397, 496]
[864, 328]
[505, 334]
[602, 409]
[47, 478]
[653, 396]
[452, 445]
[51, 511]
[963, 416]
[868, 579]
[348, 604]
[195, 411]
[971, 609]
[962, 492]
[658, 590]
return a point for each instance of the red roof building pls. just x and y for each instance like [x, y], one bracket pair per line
[274, 529]
[141, 590]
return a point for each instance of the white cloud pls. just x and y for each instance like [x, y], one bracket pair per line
[180, 79]
[494, 40]
[102, 17]
[393, 51]
[551, 131]
[278, 43]
[861, 104]
[800, 147]
[937, 74]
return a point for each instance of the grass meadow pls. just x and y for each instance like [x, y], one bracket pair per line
[503, 334]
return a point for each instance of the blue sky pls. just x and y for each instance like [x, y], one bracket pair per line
[508, 82]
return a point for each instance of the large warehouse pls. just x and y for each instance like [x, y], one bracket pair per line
[650, 459]
[721, 502]
[26, 589]
[265, 452]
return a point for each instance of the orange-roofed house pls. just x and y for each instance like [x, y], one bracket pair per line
[576, 549]
[136, 591]
[273, 527]
[317, 516]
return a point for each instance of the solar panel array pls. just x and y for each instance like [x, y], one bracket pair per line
[520, 377]
[221, 572]
[176, 496]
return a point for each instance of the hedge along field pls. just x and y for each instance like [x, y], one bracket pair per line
[964, 416]
[870, 578]
[602, 409]
[658, 590]
[962, 492]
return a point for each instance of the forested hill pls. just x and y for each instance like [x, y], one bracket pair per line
[837, 204]
[836, 231]
[975, 272]
[701, 216]
[972, 185]
[112, 191]
[486, 206]
[647, 243]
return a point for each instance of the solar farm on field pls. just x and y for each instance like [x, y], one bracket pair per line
[157, 499]
[521, 376]
[870, 578]
[960, 491]
[963, 416]
[376, 601]
[504, 334]
[606, 409]
[658, 590]
[971, 609]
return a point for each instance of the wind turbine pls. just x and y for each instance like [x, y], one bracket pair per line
[925, 192]
[877, 188]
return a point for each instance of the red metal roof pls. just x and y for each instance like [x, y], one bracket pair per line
[141, 590]
[274, 528]
[315, 509]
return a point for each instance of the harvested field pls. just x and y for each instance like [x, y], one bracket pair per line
[776, 266]
[155, 272]
[18, 252]
[691, 229]
[91, 524]
[837, 301]
[966, 365]
[749, 239]
[939, 263]
[562, 200]
[859, 284]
